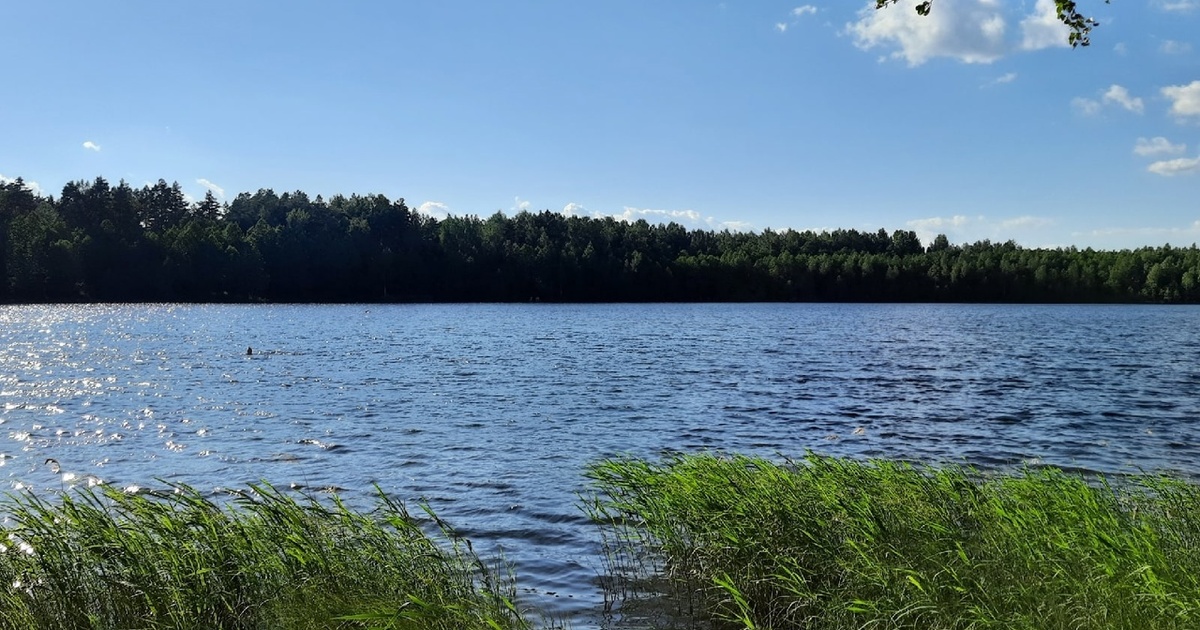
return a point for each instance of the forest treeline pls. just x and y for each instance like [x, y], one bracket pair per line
[97, 242]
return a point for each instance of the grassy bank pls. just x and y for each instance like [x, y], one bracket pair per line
[829, 543]
[744, 542]
[107, 559]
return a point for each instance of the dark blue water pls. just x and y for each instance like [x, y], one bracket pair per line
[490, 412]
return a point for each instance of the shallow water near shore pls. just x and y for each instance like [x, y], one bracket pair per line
[489, 413]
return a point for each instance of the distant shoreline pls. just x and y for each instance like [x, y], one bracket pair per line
[99, 243]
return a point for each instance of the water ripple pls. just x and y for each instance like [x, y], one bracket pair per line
[489, 413]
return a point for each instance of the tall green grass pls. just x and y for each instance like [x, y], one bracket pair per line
[834, 543]
[101, 558]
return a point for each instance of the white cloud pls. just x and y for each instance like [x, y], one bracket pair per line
[574, 210]
[632, 214]
[1178, 5]
[939, 223]
[732, 226]
[435, 209]
[1157, 145]
[971, 31]
[1178, 166]
[1172, 47]
[1114, 95]
[91, 146]
[795, 15]
[1042, 28]
[1146, 233]
[32, 186]
[1002, 79]
[216, 190]
[520, 205]
[960, 228]
[1026, 222]
[687, 218]
[1120, 96]
[1185, 99]
[1085, 106]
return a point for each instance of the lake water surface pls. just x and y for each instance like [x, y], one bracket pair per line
[490, 412]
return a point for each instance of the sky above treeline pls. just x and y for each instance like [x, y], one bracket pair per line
[977, 121]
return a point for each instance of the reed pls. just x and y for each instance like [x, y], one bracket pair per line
[836, 543]
[102, 558]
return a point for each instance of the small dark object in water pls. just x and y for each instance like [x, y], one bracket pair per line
[249, 351]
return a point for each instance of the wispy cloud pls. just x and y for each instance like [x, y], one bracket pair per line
[1180, 6]
[1185, 99]
[520, 205]
[961, 228]
[435, 209]
[940, 223]
[1002, 79]
[690, 219]
[1085, 106]
[91, 146]
[1026, 222]
[1157, 145]
[631, 214]
[732, 226]
[1172, 47]
[216, 190]
[1146, 233]
[794, 17]
[1119, 95]
[1115, 95]
[32, 186]
[1178, 166]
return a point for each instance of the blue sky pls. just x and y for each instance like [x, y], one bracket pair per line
[976, 121]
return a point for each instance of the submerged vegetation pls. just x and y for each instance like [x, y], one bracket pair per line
[830, 543]
[99, 242]
[108, 559]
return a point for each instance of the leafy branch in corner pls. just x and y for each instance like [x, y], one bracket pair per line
[1081, 26]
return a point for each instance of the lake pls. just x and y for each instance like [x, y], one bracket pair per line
[490, 412]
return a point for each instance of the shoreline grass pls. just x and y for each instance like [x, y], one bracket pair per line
[726, 541]
[834, 543]
[101, 558]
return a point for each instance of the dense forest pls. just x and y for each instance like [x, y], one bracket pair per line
[102, 243]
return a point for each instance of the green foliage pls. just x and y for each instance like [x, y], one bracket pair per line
[103, 243]
[1080, 26]
[834, 543]
[108, 559]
